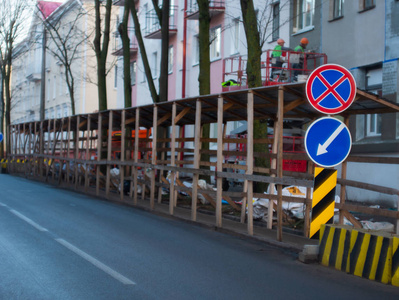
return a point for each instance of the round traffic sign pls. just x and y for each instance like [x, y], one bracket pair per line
[328, 142]
[331, 89]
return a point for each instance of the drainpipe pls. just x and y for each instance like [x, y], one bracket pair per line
[43, 76]
[183, 91]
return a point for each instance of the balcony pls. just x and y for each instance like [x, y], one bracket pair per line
[117, 48]
[152, 28]
[216, 7]
[34, 73]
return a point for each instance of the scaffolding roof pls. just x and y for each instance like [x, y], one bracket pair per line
[296, 106]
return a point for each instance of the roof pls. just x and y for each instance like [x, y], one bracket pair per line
[47, 8]
[266, 99]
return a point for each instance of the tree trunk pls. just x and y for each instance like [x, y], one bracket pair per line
[123, 31]
[255, 80]
[101, 43]
[163, 79]
[204, 77]
[144, 58]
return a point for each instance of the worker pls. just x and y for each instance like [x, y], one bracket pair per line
[230, 82]
[277, 54]
[298, 67]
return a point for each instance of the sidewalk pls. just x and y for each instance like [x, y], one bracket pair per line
[292, 242]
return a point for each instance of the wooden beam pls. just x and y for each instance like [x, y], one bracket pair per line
[280, 119]
[172, 162]
[219, 163]
[164, 118]
[181, 114]
[250, 162]
[197, 158]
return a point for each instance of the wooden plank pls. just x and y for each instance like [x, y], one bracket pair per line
[163, 119]
[185, 111]
[351, 218]
[87, 153]
[367, 186]
[172, 161]
[250, 162]
[136, 158]
[99, 149]
[109, 154]
[280, 119]
[197, 158]
[219, 163]
[154, 155]
[368, 210]
[123, 151]
[76, 150]
[273, 165]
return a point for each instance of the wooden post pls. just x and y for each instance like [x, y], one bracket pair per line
[250, 160]
[48, 148]
[109, 153]
[154, 155]
[308, 208]
[219, 163]
[77, 151]
[41, 151]
[343, 187]
[163, 155]
[68, 149]
[87, 153]
[273, 166]
[280, 119]
[122, 159]
[61, 152]
[99, 149]
[136, 156]
[197, 158]
[172, 161]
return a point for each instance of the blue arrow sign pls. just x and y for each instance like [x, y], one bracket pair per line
[1, 137]
[328, 142]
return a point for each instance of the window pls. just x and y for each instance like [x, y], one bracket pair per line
[154, 63]
[170, 60]
[373, 85]
[303, 14]
[215, 43]
[133, 70]
[276, 21]
[116, 77]
[236, 36]
[65, 109]
[338, 9]
[58, 112]
[367, 4]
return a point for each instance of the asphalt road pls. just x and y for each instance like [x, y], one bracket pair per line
[56, 244]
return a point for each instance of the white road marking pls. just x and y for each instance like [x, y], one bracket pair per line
[2, 204]
[29, 221]
[76, 250]
[96, 263]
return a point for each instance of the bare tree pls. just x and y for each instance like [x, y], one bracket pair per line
[101, 43]
[12, 23]
[65, 40]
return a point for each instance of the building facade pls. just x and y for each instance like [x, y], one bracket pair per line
[73, 21]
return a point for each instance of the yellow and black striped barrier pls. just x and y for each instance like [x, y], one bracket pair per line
[323, 203]
[395, 261]
[334, 246]
[371, 255]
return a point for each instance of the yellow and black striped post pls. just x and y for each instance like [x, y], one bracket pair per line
[323, 203]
